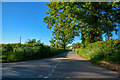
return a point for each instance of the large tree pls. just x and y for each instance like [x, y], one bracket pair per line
[91, 19]
[64, 30]
[95, 18]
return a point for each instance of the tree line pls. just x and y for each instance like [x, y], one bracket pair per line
[90, 20]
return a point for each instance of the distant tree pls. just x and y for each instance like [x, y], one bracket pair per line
[32, 41]
[38, 41]
[73, 46]
[77, 45]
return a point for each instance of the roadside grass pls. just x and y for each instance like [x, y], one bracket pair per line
[108, 51]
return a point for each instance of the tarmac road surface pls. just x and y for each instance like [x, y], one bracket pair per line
[65, 65]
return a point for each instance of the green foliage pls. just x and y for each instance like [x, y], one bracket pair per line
[32, 41]
[64, 30]
[102, 51]
[68, 19]
[76, 45]
[31, 51]
[52, 41]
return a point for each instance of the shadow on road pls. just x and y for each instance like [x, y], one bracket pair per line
[64, 65]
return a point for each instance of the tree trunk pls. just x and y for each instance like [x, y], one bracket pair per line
[64, 46]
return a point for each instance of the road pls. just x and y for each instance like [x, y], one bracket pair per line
[65, 65]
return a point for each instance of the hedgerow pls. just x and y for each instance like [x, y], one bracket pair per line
[22, 52]
[102, 51]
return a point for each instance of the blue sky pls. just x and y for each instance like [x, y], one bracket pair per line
[25, 20]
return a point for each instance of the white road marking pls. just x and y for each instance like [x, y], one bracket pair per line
[48, 75]
[68, 77]
[52, 70]
[55, 66]
[14, 71]
[45, 77]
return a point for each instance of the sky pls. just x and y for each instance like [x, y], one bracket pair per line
[25, 20]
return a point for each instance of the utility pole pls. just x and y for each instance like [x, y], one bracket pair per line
[118, 32]
[20, 40]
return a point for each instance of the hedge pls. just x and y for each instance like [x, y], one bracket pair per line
[102, 51]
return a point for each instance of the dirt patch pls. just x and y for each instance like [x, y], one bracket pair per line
[110, 65]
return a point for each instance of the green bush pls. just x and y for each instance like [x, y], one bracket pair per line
[102, 51]
[22, 52]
